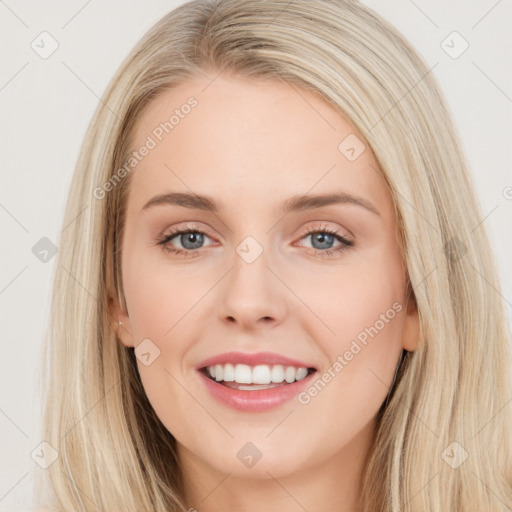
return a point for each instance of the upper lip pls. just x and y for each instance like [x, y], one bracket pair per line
[252, 359]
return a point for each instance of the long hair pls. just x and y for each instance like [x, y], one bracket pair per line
[443, 435]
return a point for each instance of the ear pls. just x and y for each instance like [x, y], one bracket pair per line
[411, 325]
[121, 322]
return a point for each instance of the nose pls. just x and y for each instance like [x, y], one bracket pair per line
[252, 295]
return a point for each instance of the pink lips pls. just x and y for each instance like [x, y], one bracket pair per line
[258, 400]
[255, 401]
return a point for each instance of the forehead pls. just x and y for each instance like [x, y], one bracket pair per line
[246, 137]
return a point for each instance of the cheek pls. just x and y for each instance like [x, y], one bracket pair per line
[160, 316]
[362, 312]
[163, 305]
[347, 393]
[357, 296]
[162, 297]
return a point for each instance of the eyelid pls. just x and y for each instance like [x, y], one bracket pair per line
[344, 233]
[184, 227]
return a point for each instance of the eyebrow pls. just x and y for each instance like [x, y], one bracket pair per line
[294, 204]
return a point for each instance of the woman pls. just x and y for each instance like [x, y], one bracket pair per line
[271, 292]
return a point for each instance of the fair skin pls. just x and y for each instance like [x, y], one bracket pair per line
[251, 145]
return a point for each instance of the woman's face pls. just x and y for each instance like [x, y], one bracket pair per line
[312, 283]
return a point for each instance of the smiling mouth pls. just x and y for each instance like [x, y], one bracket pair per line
[254, 387]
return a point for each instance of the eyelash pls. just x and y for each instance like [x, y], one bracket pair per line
[345, 243]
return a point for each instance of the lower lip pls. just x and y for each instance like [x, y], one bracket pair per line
[255, 401]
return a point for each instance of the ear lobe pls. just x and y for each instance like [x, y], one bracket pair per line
[411, 324]
[120, 322]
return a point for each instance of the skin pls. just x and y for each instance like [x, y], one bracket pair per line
[251, 145]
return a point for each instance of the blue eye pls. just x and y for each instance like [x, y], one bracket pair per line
[192, 239]
[326, 236]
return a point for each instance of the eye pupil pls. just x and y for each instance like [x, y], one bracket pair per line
[323, 238]
[195, 238]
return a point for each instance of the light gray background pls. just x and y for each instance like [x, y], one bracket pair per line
[46, 105]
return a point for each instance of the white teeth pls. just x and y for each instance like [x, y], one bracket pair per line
[301, 373]
[229, 373]
[277, 373]
[289, 374]
[243, 374]
[260, 374]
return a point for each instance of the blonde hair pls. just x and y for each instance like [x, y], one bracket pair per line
[114, 453]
